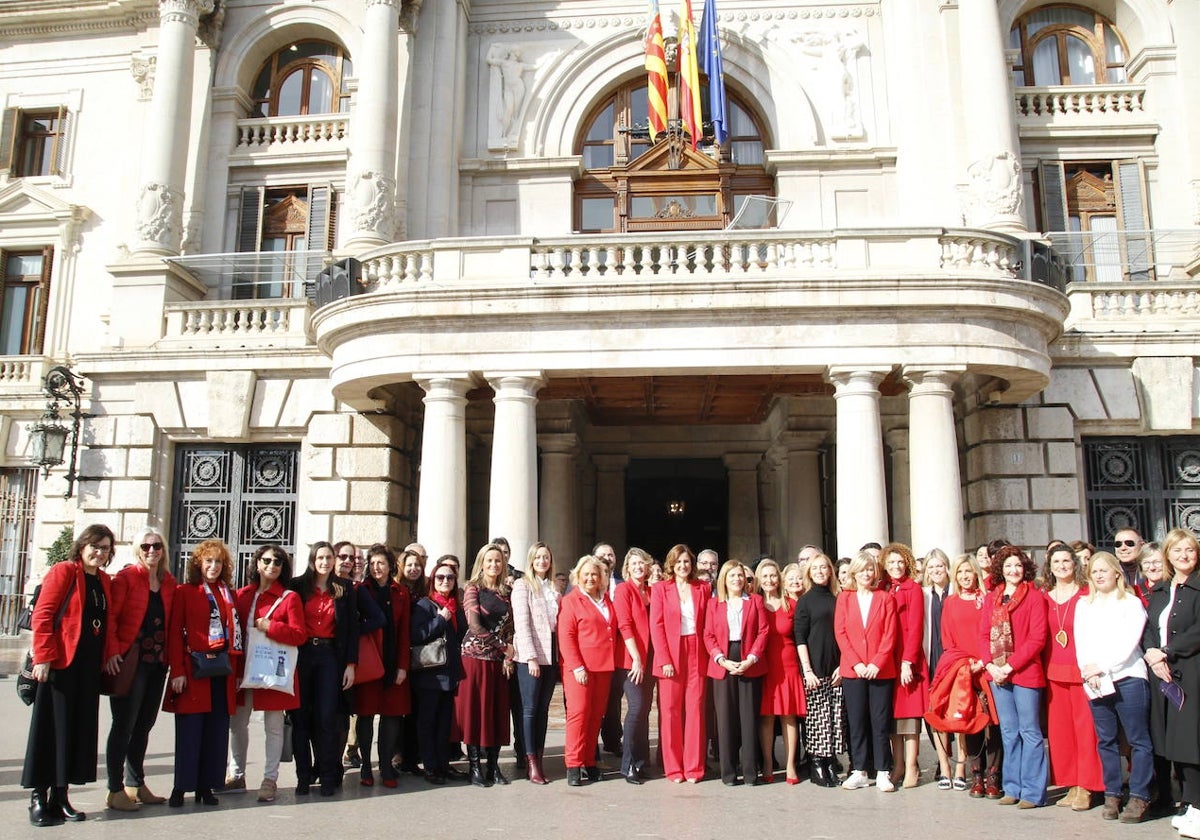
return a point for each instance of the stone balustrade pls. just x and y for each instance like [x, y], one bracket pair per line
[1068, 100]
[23, 371]
[1110, 306]
[281, 322]
[290, 133]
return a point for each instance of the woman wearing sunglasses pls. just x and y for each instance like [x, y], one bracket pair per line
[142, 597]
[438, 616]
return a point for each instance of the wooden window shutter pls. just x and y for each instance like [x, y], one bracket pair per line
[250, 219]
[1053, 193]
[8, 136]
[320, 216]
[62, 142]
[38, 333]
[1135, 221]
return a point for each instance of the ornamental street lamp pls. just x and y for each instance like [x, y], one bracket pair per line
[48, 435]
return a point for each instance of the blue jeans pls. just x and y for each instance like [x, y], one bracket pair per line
[1025, 766]
[535, 705]
[1130, 708]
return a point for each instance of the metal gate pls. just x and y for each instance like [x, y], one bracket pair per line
[18, 495]
[1150, 484]
[244, 495]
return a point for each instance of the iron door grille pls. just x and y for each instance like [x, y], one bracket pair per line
[1150, 484]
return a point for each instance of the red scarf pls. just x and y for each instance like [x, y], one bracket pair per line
[1001, 635]
[450, 603]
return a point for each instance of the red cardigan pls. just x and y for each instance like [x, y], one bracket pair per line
[130, 598]
[665, 619]
[633, 621]
[585, 638]
[57, 647]
[754, 635]
[286, 626]
[870, 645]
[1029, 637]
[188, 632]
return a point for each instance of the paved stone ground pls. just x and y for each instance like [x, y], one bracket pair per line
[521, 811]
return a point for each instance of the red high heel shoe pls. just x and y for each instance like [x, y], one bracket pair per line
[792, 781]
[768, 778]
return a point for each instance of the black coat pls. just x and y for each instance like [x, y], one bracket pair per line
[427, 625]
[1176, 733]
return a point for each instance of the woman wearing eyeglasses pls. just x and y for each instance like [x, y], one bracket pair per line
[141, 603]
[259, 607]
[438, 618]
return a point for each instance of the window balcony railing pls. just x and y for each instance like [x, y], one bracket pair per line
[22, 372]
[1081, 108]
[318, 132]
[243, 323]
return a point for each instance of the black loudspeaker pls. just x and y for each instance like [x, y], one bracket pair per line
[339, 280]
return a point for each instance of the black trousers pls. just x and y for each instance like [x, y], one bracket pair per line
[736, 701]
[635, 746]
[434, 714]
[315, 724]
[133, 717]
[390, 727]
[869, 719]
[202, 743]
[610, 726]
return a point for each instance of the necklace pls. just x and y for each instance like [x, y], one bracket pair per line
[1061, 636]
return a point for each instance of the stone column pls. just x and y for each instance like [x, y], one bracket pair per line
[861, 483]
[897, 441]
[804, 521]
[558, 509]
[744, 540]
[610, 500]
[513, 504]
[442, 502]
[991, 193]
[371, 175]
[164, 156]
[936, 496]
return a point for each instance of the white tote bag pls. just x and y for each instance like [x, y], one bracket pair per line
[269, 664]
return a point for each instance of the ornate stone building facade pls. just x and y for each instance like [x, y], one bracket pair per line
[386, 269]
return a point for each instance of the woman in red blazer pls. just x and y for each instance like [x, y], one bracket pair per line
[911, 699]
[203, 619]
[389, 696]
[259, 607]
[735, 637]
[590, 646]
[142, 596]
[632, 602]
[677, 607]
[67, 658]
[864, 623]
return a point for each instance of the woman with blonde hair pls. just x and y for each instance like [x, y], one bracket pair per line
[819, 655]
[535, 616]
[1109, 623]
[936, 588]
[632, 603]
[783, 687]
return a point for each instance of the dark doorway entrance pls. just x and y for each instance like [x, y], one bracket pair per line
[677, 501]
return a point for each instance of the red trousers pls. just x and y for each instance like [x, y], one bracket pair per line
[585, 710]
[682, 733]
[1071, 735]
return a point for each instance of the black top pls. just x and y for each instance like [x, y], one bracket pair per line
[813, 626]
[152, 640]
[936, 602]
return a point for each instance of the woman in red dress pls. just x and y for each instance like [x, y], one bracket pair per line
[1074, 755]
[783, 687]
[912, 683]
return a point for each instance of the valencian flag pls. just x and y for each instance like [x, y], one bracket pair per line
[656, 73]
[689, 74]
[710, 59]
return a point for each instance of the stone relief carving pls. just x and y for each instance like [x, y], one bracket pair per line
[374, 203]
[833, 67]
[993, 189]
[142, 70]
[508, 89]
[160, 215]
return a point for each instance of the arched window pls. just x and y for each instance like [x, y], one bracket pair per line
[1066, 45]
[630, 184]
[303, 78]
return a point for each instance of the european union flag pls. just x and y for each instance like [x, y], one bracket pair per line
[710, 63]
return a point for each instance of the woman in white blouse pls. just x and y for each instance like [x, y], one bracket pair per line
[535, 602]
[1108, 635]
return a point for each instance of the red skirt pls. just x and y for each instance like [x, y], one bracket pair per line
[482, 703]
[783, 686]
[373, 698]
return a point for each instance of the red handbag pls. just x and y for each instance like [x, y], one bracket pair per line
[370, 660]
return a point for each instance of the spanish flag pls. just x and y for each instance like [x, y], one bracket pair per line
[656, 72]
[689, 74]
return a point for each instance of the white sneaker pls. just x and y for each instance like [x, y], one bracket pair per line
[1177, 820]
[1189, 826]
[857, 779]
[884, 782]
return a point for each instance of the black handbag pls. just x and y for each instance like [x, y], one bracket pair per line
[26, 684]
[207, 664]
[25, 617]
[432, 654]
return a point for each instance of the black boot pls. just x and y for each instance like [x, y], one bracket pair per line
[41, 814]
[816, 772]
[476, 771]
[574, 776]
[831, 773]
[493, 766]
[61, 804]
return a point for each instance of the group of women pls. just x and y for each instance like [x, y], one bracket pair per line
[849, 658]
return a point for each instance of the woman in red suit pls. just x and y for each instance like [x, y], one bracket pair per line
[735, 638]
[865, 625]
[1074, 754]
[677, 607]
[389, 695]
[912, 687]
[70, 633]
[590, 646]
[259, 607]
[632, 603]
[783, 687]
[203, 620]
[142, 596]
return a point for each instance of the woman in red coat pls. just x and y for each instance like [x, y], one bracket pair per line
[865, 625]
[783, 686]
[677, 607]
[266, 606]
[203, 621]
[142, 596]
[590, 646]
[735, 638]
[632, 602]
[70, 633]
[388, 696]
[912, 686]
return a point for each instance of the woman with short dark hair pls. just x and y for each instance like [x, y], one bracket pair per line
[438, 618]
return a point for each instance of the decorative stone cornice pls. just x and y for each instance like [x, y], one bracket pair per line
[38, 19]
[847, 12]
